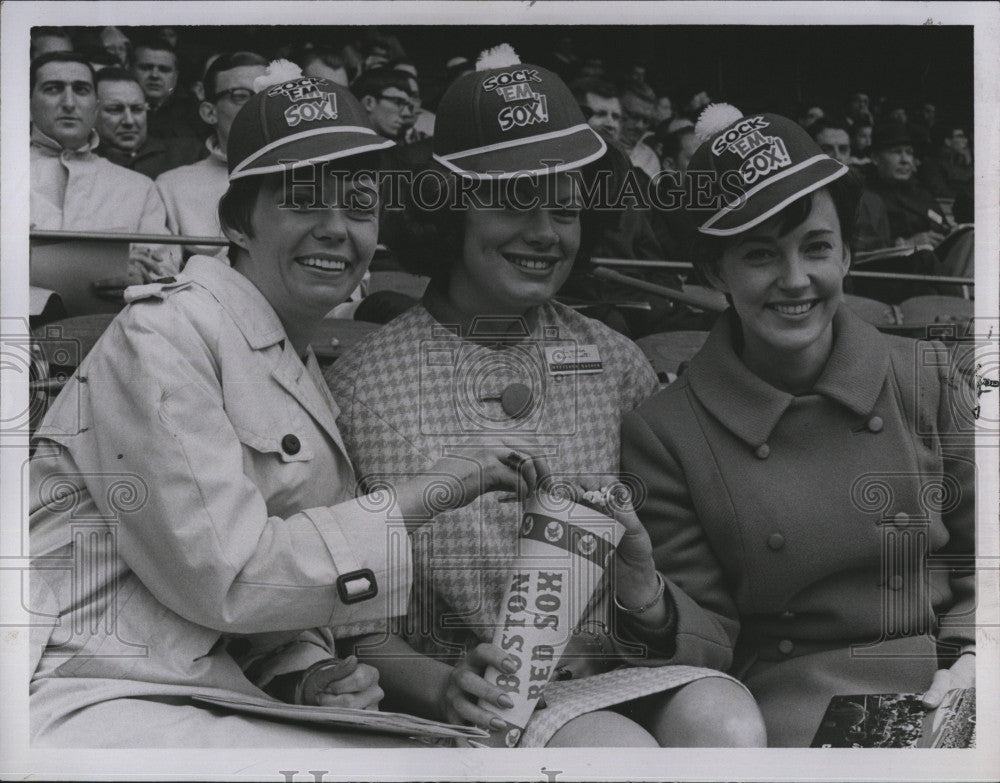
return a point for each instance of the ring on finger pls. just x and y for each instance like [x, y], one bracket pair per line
[514, 460]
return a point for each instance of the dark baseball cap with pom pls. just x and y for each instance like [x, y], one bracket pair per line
[295, 121]
[509, 118]
[757, 165]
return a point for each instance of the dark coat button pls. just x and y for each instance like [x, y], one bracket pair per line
[763, 451]
[875, 424]
[290, 444]
[515, 400]
[775, 541]
[785, 646]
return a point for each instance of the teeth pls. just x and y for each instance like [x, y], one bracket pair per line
[324, 263]
[530, 263]
[797, 309]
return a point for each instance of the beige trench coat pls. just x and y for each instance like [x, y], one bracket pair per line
[192, 507]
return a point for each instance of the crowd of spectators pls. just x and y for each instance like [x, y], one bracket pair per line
[161, 110]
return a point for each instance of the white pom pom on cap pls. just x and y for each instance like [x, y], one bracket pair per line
[278, 72]
[714, 118]
[498, 57]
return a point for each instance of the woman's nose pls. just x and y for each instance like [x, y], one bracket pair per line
[330, 224]
[794, 274]
[540, 230]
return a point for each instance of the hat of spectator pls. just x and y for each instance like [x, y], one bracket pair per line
[890, 134]
[509, 118]
[756, 165]
[293, 121]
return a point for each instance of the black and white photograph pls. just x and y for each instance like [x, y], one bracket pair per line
[508, 390]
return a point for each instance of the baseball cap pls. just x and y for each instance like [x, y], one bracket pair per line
[509, 118]
[890, 134]
[295, 121]
[758, 165]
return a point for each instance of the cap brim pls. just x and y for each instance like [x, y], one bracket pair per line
[307, 149]
[766, 200]
[547, 153]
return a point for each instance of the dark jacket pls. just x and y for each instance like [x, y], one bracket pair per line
[796, 533]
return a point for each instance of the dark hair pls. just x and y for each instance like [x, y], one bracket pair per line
[328, 57]
[226, 62]
[115, 74]
[640, 90]
[237, 204]
[430, 240]
[154, 43]
[373, 82]
[57, 57]
[592, 85]
[823, 124]
[706, 251]
[49, 32]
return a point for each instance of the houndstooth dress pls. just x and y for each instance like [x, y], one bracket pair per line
[415, 390]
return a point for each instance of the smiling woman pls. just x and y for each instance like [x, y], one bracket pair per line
[788, 470]
[488, 357]
[207, 441]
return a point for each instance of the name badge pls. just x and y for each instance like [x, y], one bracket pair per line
[935, 217]
[573, 360]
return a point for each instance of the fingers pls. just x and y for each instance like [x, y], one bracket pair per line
[367, 699]
[363, 678]
[940, 685]
[486, 654]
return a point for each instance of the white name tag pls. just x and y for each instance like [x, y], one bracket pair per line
[935, 216]
[573, 360]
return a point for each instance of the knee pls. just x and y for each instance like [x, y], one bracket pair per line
[712, 712]
[602, 729]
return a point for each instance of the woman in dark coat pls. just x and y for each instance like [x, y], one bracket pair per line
[810, 490]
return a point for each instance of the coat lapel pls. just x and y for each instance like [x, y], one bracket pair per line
[303, 383]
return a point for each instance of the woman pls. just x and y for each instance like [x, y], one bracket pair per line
[193, 509]
[488, 355]
[806, 468]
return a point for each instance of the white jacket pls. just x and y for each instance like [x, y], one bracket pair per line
[192, 503]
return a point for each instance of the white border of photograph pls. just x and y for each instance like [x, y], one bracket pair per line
[18, 760]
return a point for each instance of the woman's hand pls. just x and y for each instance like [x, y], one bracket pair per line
[347, 683]
[494, 468]
[455, 481]
[636, 580]
[962, 674]
[465, 685]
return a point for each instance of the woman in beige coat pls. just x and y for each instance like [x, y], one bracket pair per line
[193, 509]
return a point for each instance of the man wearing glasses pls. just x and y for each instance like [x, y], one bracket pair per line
[122, 127]
[191, 193]
[638, 113]
[391, 97]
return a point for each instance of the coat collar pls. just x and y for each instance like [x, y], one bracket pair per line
[750, 408]
[259, 324]
[250, 311]
[50, 146]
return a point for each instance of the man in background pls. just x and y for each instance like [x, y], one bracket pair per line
[171, 113]
[391, 97]
[73, 189]
[191, 193]
[121, 126]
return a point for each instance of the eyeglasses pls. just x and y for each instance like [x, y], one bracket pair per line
[401, 103]
[238, 95]
[118, 109]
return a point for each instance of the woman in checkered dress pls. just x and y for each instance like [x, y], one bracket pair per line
[489, 357]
